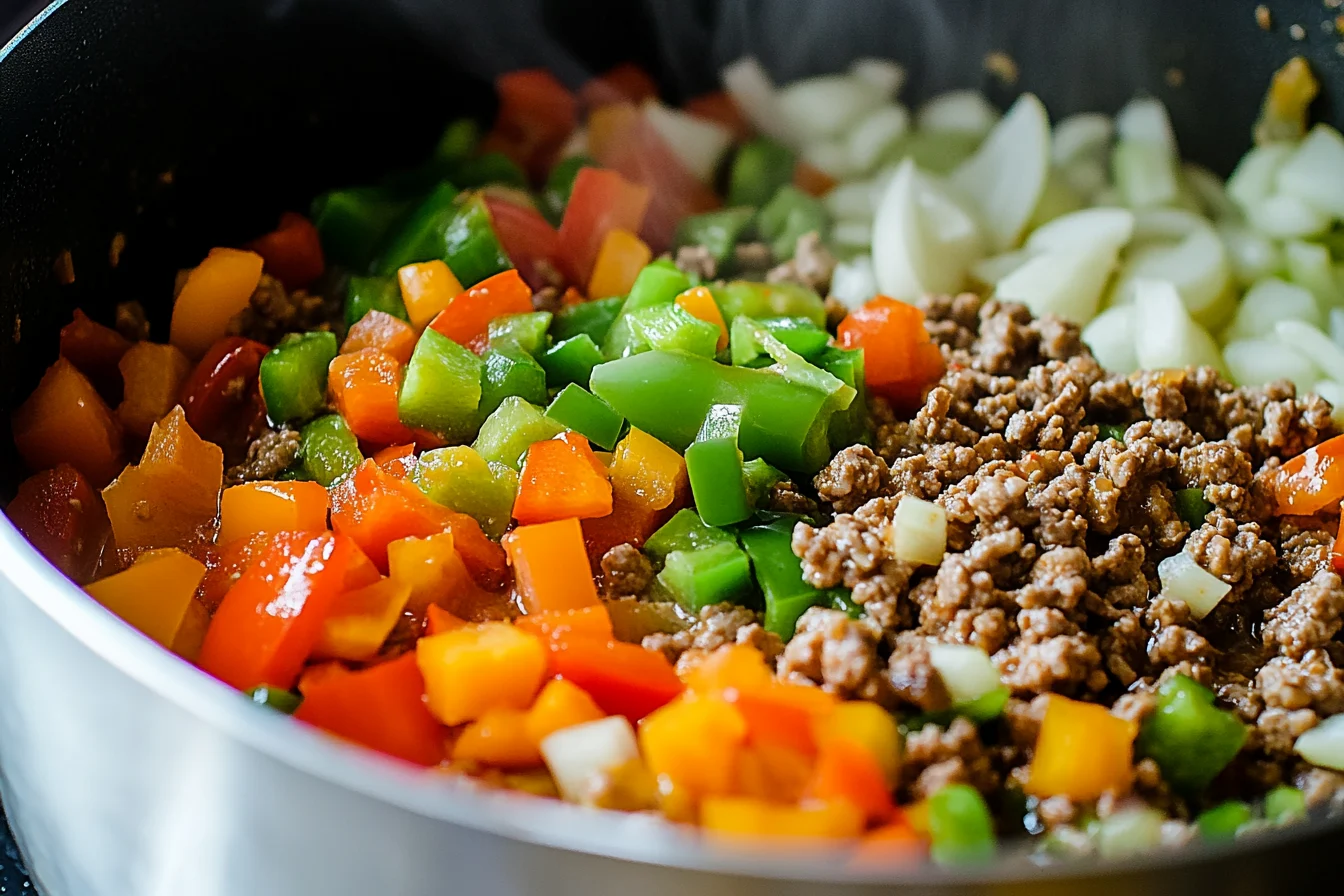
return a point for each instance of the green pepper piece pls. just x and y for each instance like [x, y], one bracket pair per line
[1285, 803]
[515, 425]
[592, 319]
[461, 479]
[718, 231]
[714, 467]
[701, 578]
[1223, 820]
[571, 361]
[420, 235]
[850, 426]
[672, 328]
[580, 410]
[490, 168]
[657, 284]
[559, 184]
[1190, 739]
[526, 331]
[737, 298]
[353, 223]
[760, 479]
[293, 473]
[1111, 431]
[275, 698]
[1191, 506]
[799, 334]
[684, 532]
[469, 244]
[779, 573]
[294, 375]
[667, 394]
[365, 294]
[442, 388]
[794, 367]
[760, 168]
[985, 708]
[961, 830]
[842, 600]
[789, 215]
[459, 141]
[328, 449]
[508, 370]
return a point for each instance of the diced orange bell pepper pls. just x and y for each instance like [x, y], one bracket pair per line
[60, 513]
[152, 376]
[171, 498]
[901, 361]
[231, 562]
[561, 704]
[648, 485]
[93, 348]
[387, 457]
[600, 201]
[719, 107]
[620, 259]
[433, 571]
[360, 621]
[699, 303]
[624, 679]
[216, 290]
[847, 771]
[773, 771]
[363, 386]
[561, 479]
[380, 707]
[154, 593]
[271, 507]
[498, 738]
[466, 319]
[867, 725]
[1312, 481]
[1082, 751]
[361, 572]
[191, 633]
[426, 289]
[812, 180]
[695, 744]
[382, 331]
[66, 421]
[438, 620]
[895, 843]
[585, 622]
[472, 670]
[270, 620]
[756, 818]
[292, 252]
[550, 568]
[1337, 550]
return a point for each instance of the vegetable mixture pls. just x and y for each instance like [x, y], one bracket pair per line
[569, 461]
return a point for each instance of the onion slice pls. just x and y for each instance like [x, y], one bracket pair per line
[967, 672]
[1169, 337]
[1006, 175]
[923, 240]
[751, 88]
[698, 142]
[575, 756]
[1323, 745]
[1111, 338]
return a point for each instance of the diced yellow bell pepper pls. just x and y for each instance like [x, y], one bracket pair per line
[154, 594]
[433, 570]
[561, 704]
[1082, 751]
[746, 817]
[426, 289]
[694, 742]
[191, 634]
[361, 620]
[472, 670]
[254, 507]
[773, 771]
[217, 289]
[869, 726]
[499, 738]
[622, 256]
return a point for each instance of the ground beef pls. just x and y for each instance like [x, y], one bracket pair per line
[936, 756]
[273, 311]
[787, 497]
[838, 653]
[716, 626]
[626, 572]
[752, 258]
[811, 266]
[268, 455]
[851, 478]
[697, 261]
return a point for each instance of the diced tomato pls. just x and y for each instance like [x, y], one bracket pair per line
[600, 202]
[536, 116]
[292, 252]
[528, 239]
[60, 513]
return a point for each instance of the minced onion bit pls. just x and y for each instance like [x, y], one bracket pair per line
[967, 672]
[1324, 744]
[576, 756]
[918, 531]
[1185, 580]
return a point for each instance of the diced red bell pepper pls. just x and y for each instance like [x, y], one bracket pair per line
[562, 478]
[625, 83]
[60, 513]
[536, 116]
[901, 361]
[270, 620]
[623, 679]
[601, 201]
[1313, 480]
[527, 238]
[95, 350]
[221, 388]
[467, 318]
[292, 252]
[382, 707]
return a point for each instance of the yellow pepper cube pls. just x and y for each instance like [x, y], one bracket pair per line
[1082, 751]
[561, 704]
[472, 670]
[756, 818]
[271, 507]
[212, 293]
[432, 569]
[154, 594]
[694, 743]
[620, 259]
[869, 726]
[361, 620]
[426, 289]
[499, 739]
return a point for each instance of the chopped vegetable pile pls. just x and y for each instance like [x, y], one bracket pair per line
[441, 467]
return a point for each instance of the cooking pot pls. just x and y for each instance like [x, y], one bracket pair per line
[125, 771]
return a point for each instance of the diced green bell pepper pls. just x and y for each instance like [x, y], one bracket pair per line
[1190, 739]
[365, 294]
[559, 184]
[353, 223]
[442, 388]
[797, 334]
[701, 578]
[791, 213]
[592, 319]
[490, 168]
[456, 229]
[571, 361]
[985, 708]
[514, 427]
[718, 231]
[961, 830]
[458, 141]
[1284, 803]
[419, 237]
[526, 331]
[275, 698]
[779, 573]
[759, 169]
[795, 368]
[1191, 506]
[1222, 821]
[1111, 431]
[657, 284]
[685, 532]
[762, 300]
[508, 370]
[294, 375]
[672, 328]
[842, 600]
[714, 467]
[580, 410]
[760, 479]
[461, 479]
[850, 426]
[328, 449]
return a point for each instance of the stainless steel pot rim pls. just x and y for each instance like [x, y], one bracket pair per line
[446, 798]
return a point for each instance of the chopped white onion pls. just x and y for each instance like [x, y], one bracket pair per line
[831, 156]
[1323, 745]
[991, 270]
[923, 240]
[1111, 338]
[1081, 136]
[1285, 216]
[1317, 346]
[576, 145]
[854, 282]
[1310, 265]
[853, 201]
[1332, 392]
[1005, 176]
[698, 142]
[1144, 174]
[1315, 171]
[967, 672]
[576, 755]
[1196, 266]
[1087, 229]
[1251, 255]
[1211, 192]
[1090, 178]
[885, 75]
[1255, 176]
[852, 234]
[1145, 120]
[1266, 303]
[958, 111]
[876, 134]
[1169, 337]
[1129, 832]
[1254, 362]
[918, 531]
[1066, 282]
[751, 88]
[1337, 325]
[1058, 199]
[827, 106]
[1166, 225]
[1185, 580]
